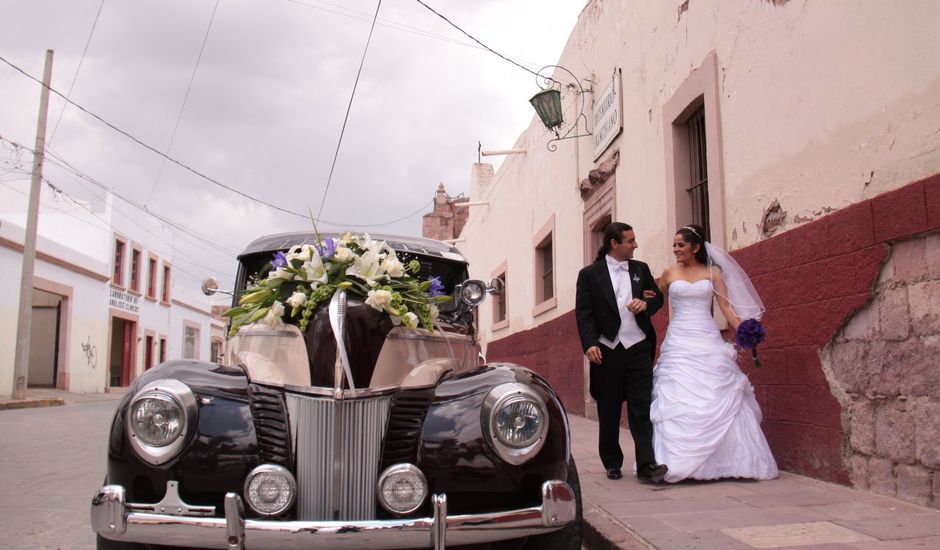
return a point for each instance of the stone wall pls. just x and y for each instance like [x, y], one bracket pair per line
[884, 368]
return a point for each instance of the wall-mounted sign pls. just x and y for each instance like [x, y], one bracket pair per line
[608, 116]
[124, 301]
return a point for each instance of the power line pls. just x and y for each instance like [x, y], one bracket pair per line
[152, 149]
[489, 49]
[348, 109]
[200, 174]
[78, 69]
[189, 88]
[388, 23]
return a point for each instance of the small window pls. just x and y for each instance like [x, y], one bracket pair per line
[118, 275]
[162, 354]
[698, 171]
[135, 269]
[545, 283]
[499, 306]
[215, 350]
[152, 278]
[190, 342]
[148, 352]
[165, 296]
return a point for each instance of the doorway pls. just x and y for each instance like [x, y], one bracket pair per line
[121, 356]
[44, 340]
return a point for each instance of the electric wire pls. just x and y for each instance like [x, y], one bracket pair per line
[78, 69]
[352, 96]
[489, 49]
[179, 116]
[188, 168]
[395, 25]
[153, 149]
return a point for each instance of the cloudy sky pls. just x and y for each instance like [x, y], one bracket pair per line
[253, 94]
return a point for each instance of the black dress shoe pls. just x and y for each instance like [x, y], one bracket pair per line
[652, 472]
[614, 473]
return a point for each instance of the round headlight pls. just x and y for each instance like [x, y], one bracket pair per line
[472, 292]
[159, 417]
[402, 488]
[515, 421]
[270, 489]
[518, 422]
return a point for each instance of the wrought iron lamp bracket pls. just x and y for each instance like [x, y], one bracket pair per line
[546, 82]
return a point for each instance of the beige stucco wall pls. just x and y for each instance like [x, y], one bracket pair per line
[821, 105]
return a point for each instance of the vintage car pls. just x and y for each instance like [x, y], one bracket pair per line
[353, 434]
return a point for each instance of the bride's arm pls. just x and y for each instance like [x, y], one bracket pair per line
[664, 282]
[722, 294]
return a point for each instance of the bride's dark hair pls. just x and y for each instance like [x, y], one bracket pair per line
[693, 234]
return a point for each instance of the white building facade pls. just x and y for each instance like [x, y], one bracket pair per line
[804, 137]
[106, 305]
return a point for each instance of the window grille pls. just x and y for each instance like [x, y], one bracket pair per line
[698, 169]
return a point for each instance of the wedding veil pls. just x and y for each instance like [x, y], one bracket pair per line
[742, 296]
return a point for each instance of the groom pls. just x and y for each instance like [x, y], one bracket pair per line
[619, 341]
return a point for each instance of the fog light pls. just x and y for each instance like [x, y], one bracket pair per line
[270, 490]
[402, 488]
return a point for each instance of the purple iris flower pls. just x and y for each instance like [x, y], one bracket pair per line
[436, 288]
[326, 248]
[280, 260]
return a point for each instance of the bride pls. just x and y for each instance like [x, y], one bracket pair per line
[706, 421]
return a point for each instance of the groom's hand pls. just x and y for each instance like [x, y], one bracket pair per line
[593, 354]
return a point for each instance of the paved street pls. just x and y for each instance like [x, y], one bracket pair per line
[51, 462]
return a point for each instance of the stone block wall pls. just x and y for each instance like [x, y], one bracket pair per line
[884, 367]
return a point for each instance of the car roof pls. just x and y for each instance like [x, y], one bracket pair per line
[414, 245]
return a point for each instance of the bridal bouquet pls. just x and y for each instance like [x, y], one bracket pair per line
[308, 275]
[750, 333]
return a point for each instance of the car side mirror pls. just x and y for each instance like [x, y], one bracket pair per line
[497, 286]
[210, 286]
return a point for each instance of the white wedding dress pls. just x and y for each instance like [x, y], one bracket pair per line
[706, 421]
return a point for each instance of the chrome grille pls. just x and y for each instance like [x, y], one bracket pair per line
[338, 445]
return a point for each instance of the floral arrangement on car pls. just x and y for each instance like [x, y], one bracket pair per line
[308, 275]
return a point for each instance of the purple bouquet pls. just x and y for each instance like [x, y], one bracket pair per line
[750, 333]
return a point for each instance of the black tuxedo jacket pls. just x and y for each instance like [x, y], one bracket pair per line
[596, 304]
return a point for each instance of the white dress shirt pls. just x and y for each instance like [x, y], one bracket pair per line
[630, 333]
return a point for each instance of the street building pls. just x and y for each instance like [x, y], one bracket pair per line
[803, 136]
[107, 299]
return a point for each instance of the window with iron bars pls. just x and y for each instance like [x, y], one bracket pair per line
[698, 184]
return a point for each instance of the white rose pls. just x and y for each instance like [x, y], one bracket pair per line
[297, 299]
[343, 255]
[435, 312]
[393, 267]
[410, 320]
[379, 299]
[274, 315]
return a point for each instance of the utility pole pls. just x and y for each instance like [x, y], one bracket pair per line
[24, 320]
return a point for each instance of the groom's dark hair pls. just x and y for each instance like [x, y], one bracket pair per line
[613, 231]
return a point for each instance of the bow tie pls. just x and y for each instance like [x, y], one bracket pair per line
[621, 266]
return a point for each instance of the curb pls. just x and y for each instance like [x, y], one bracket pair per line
[599, 531]
[31, 403]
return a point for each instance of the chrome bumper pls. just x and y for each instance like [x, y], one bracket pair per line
[113, 518]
